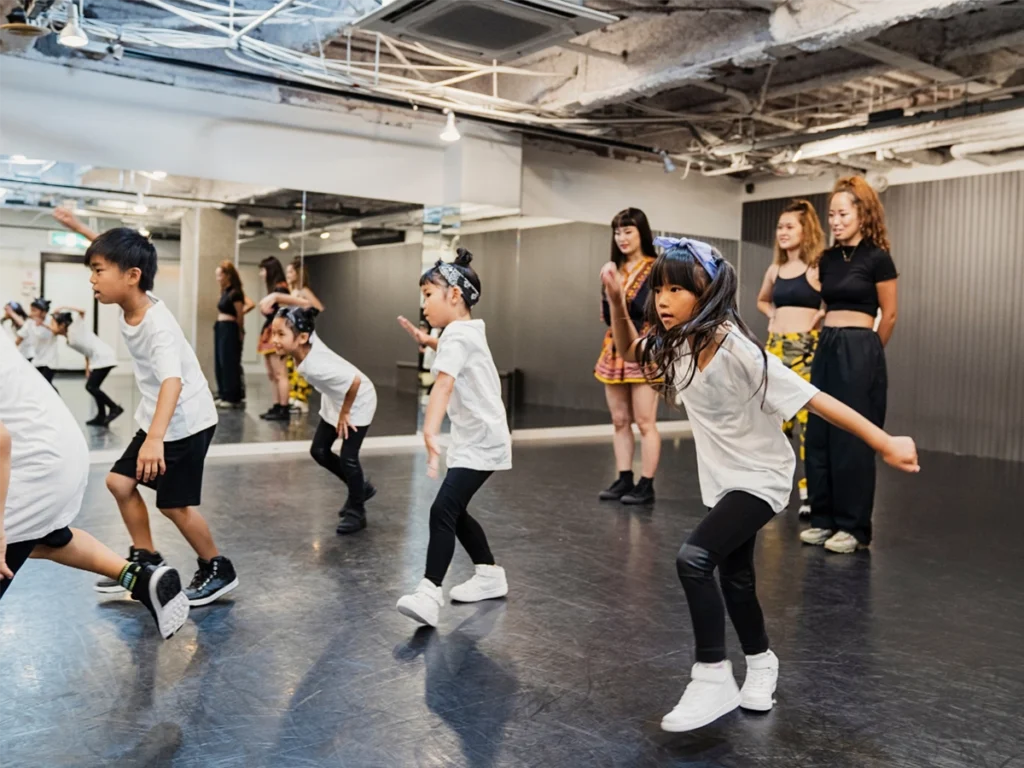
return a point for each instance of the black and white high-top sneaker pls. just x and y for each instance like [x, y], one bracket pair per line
[140, 556]
[214, 579]
[159, 589]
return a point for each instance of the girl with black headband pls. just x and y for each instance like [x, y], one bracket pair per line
[736, 398]
[100, 360]
[348, 402]
[468, 388]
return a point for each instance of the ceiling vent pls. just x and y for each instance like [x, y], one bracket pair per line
[485, 29]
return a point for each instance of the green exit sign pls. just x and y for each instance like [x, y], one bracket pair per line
[68, 240]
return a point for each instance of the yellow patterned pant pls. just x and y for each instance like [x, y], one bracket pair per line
[796, 351]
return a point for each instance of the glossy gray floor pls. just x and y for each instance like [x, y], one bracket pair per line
[907, 656]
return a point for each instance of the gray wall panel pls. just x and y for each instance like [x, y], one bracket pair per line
[494, 259]
[956, 359]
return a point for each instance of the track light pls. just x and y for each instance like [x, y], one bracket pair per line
[158, 175]
[284, 245]
[670, 167]
[325, 235]
[18, 159]
[143, 231]
[73, 36]
[450, 132]
[140, 205]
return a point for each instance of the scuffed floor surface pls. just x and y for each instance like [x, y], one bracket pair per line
[911, 655]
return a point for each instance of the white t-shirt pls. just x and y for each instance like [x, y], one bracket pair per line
[480, 438]
[27, 346]
[159, 352]
[49, 457]
[44, 344]
[332, 376]
[92, 347]
[740, 444]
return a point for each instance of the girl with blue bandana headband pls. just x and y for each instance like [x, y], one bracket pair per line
[736, 399]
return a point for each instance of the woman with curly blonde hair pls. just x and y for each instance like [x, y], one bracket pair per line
[791, 298]
[858, 283]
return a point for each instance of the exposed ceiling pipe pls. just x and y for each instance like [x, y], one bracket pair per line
[968, 148]
[745, 103]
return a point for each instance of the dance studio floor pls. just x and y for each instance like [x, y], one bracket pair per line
[908, 656]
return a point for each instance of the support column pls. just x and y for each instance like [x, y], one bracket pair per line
[207, 238]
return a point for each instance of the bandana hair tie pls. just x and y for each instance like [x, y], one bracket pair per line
[454, 277]
[704, 253]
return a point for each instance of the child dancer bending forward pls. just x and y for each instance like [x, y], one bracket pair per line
[736, 399]
[467, 385]
[348, 402]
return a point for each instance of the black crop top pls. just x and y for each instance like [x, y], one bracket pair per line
[850, 285]
[795, 292]
[226, 305]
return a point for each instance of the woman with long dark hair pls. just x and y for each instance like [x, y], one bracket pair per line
[273, 276]
[791, 298]
[858, 278]
[228, 335]
[631, 400]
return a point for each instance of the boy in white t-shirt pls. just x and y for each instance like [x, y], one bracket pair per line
[100, 360]
[348, 402]
[176, 414]
[468, 387]
[37, 334]
[44, 466]
[736, 398]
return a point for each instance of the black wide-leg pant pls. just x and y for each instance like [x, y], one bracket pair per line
[849, 365]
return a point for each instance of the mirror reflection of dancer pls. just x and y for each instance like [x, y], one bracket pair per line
[44, 467]
[38, 334]
[630, 398]
[468, 387]
[791, 298]
[348, 402]
[100, 360]
[299, 295]
[277, 287]
[16, 315]
[736, 397]
[229, 336]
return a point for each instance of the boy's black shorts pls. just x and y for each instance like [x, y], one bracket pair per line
[182, 484]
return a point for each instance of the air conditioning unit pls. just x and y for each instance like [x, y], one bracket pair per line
[485, 29]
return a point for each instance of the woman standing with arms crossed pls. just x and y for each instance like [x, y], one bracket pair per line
[228, 335]
[791, 298]
[858, 278]
[630, 398]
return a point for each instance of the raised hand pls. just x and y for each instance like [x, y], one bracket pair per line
[417, 333]
[611, 282]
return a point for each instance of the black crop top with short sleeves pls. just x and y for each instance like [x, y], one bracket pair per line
[226, 305]
[850, 285]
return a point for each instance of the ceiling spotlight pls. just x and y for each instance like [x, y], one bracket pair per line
[143, 231]
[18, 158]
[284, 245]
[140, 205]
[158, 175]
[325, 235]
[73, 36]
[670, 167]
[450, 132]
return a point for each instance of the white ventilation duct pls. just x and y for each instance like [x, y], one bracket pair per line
[967, 149]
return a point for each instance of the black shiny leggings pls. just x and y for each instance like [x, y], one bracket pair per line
[450, 520]
[93, 386]
[346, 466]
[725, 540]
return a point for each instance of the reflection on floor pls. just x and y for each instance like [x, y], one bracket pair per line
[907, 656]
[398, 413]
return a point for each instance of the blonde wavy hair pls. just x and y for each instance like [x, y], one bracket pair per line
[869, 208]
[812, 241]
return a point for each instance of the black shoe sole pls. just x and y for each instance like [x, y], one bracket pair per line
[636, 501]
[345, 532]
[605, 496]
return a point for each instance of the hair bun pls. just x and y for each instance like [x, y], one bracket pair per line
[463, 257]
[312, 312]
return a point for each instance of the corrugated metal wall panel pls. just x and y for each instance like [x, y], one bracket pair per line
[956, 359]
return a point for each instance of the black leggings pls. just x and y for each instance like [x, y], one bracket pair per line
[849, 365]
[449, 519]
[346, 466]
[227, 359]
[92, 386]
[47, 373]
[725, 540]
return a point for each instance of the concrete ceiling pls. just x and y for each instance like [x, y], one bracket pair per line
[732, 87]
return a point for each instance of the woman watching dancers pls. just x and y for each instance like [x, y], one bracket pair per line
[229, 335]
[100, 360]
[791, 298]
[736, 397]
[273, 275]
[858, 278]
[468, 388]
[628, 393]
[348, 402]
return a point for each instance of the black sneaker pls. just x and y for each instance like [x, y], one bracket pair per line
[369, 491]
[97, 420]
[353, 521]
[114, 412]
[278, 413]
[643, 493]
[159, 589]
[617, 490]
[140, 556]
[214, 579]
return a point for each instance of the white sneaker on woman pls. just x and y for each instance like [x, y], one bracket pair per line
[712, 692]
[758, 690]
[487, 583]
[424, 604]
[815, 536]
[844, 543]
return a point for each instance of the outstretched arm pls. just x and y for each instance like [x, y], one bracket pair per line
[899, 452]
[421, 337]
[70, 221]
[436, 408]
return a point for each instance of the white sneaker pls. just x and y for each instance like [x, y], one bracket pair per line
[712, 692]
[487, 583]
[815, 536]
[423, 604]
[843, 543]
[759, 687]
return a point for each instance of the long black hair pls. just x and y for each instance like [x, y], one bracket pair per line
[274, 272]
[632, 217]
[715, 307]
[462, 259]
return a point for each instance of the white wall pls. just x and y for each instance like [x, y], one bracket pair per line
[584, 187]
